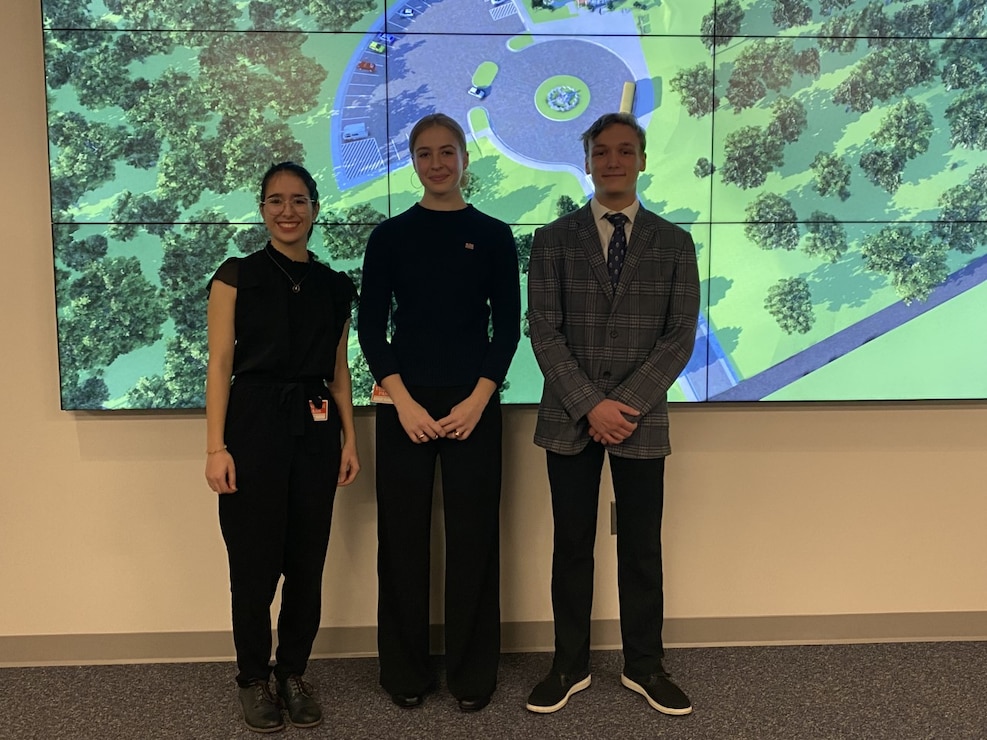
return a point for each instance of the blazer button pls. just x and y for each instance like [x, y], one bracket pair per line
[606, 374]
[614, 334]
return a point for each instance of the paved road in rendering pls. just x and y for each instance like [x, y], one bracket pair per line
[426, 70]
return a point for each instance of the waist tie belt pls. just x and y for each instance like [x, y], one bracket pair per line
[293, 397]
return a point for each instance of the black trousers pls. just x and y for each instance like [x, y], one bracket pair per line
[638, 493]
[277, 523]
[471, 480]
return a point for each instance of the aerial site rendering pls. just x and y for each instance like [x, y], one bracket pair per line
[828, 157]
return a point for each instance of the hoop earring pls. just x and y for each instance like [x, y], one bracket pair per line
[415, 180]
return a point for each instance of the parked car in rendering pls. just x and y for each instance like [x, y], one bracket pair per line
[355, 132]
[377, 47]
[478, 92]
[366, 66]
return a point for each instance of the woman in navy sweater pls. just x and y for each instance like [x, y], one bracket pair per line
[451, 274]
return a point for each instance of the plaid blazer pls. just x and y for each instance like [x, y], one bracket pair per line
[592, 343]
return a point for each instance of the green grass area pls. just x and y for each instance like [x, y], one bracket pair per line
[523, 41]
[478, 119]
[485, 74]
[932, 356]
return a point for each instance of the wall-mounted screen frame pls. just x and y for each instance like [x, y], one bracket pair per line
[828, 158]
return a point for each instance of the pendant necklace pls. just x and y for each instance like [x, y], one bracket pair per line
[295, 287]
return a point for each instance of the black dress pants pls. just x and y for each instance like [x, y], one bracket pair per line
[471, 480]
[638, 493]
[277, 523]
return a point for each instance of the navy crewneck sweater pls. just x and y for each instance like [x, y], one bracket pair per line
[453, 276]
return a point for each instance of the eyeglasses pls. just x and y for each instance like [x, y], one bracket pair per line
[277, 203]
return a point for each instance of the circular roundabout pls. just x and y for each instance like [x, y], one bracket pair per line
[562, 97]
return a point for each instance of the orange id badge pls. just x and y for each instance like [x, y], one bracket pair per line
[319, 413]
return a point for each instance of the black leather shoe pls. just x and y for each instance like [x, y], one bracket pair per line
[261, 711]
[408, 701]
[473, 703]
[303, 710]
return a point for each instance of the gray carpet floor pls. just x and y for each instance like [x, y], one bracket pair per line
[900, 690]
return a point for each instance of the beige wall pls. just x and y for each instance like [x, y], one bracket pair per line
[106, 525]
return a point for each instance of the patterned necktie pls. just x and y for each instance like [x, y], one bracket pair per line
[617, 249]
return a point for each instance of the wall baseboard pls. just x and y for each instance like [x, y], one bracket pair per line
[341, 642]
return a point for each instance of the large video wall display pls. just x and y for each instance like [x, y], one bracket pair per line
[828, 158]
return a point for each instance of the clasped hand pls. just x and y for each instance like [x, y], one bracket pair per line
[420, 427]
[610, 421]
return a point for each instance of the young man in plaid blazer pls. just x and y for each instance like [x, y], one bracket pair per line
[613, 302]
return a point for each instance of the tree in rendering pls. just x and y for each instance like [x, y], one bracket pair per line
[967, 125]
[789, 301]
[771, 222]
[523, 242]
[247, 145]
[962, 73]
[790, 13]
[907, 129]
[720, 25]
[77, 254]
[109, 310]
[101, 75]
[750, 154]
[361, 379]
[134, 212]
[886, 73]
[565, 205]
[169, 105]
[839, 33]
[181, 384]
[90, 393]
[213, 14]
[339, 15]
[915, 263]
[191, 166]
[826, 7]
[832, 175]
[807, 62]
[928, 19]
[250, 238]
[87, 150]
[703, 168]
[962, 222]
[765, 64]
[345, 235]
[874, 24]
[826, 237]
[695, 86]
[188, 259]
[883, 167]
[788, 120]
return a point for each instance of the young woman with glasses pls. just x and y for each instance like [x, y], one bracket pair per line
[280, 439]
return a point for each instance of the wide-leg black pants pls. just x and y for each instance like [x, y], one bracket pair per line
[471, 482]
[638, 492]
[277, 523]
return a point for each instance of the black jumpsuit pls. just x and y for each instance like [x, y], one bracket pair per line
[277, 522]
